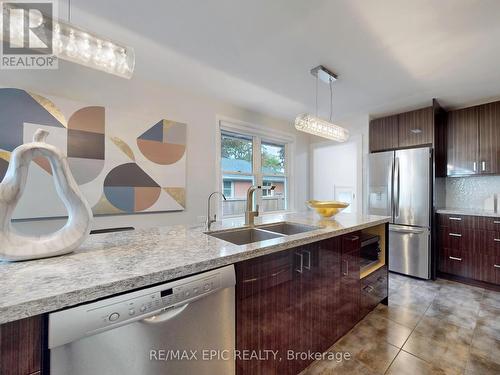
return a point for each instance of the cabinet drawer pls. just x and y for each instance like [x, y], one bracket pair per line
[490, 223]
[351, 242]
[256, 275]
[456, 239]
[487, 242]
[456, 221]
[456, 262]
[487, 269]
[373, 290]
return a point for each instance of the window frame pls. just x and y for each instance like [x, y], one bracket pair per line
[258, 134]
[231, 188]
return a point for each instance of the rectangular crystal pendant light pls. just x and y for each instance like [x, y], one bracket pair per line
[314, 125]
[79, 46]
[311, 124]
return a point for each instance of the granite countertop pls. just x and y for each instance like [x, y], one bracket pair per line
[468, 211]
[107, 264]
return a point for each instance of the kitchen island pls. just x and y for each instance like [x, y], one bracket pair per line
[113, 263]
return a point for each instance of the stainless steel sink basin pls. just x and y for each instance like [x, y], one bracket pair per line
[242, 236]
[287, 228]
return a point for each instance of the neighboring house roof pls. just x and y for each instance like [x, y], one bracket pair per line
[243, 166]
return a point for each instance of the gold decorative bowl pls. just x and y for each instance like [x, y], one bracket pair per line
[327, 208]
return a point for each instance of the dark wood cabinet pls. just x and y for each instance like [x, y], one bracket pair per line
[489, 138]
[298, 300]
[473, 138]
[279, 306]
[463, 142]
[384, 134]
[266, 295]
[416, 128]
[469, 246]
[466, 141]
[21, 346]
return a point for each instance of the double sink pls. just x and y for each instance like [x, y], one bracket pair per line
[243, 236]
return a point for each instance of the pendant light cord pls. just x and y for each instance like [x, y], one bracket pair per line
[69, 11]
[331, 100]
[316, 95]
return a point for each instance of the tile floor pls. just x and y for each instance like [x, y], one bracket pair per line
[429, 327]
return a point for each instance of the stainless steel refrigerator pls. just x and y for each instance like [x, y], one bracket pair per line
[400, 187]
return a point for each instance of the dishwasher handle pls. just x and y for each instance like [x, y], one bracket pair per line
[164, 316]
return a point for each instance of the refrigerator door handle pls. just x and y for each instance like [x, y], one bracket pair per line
[391, 189]
[397, 186]
[401, 229]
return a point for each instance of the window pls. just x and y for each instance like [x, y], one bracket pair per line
[273, 174]
[240, 169]
[237, 171]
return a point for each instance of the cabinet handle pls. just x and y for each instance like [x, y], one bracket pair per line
[455, 218]
[483, 166]
[278, 273]
[346, 273]
[308, 267]
[368, 288]
[300, 270]
[455, 258]
[259, 278]
[496, 265]
[496, 221]
[474, 166]
[455, 234]
[250, 280]
[354, 238]
[496, 239]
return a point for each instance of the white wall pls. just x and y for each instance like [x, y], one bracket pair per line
[341, 167]
[334, 165]
[139, 99]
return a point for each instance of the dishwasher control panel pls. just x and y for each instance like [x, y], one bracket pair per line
[91, 318]
[150, 303]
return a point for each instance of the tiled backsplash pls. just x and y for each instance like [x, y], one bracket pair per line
[468, 192]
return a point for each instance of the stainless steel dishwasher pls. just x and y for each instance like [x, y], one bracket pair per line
[185, 326]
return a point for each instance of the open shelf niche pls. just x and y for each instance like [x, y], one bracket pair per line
[372, 266]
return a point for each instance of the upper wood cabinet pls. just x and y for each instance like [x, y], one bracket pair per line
[463, 142]
[489, 138]
[409, 129]
[416, 127]
[384, 133]
[473, 136]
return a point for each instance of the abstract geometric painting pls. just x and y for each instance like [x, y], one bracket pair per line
[138, 168]
[163, 143]
[130, 189]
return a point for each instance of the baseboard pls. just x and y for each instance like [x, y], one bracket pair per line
[472, 282]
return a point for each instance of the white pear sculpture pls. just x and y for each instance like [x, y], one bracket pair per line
[16, 246]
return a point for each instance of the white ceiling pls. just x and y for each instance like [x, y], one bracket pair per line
[390, 55]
